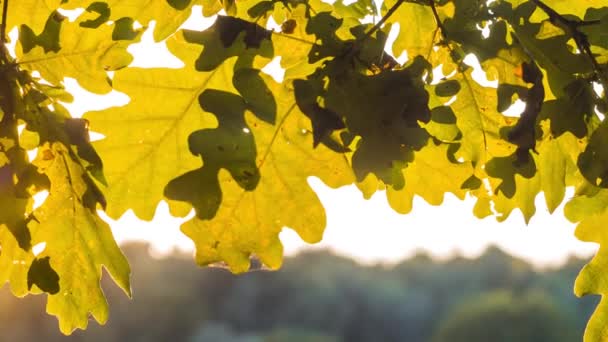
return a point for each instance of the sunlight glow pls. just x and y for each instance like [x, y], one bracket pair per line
[95, 136]
[515, 109]
[38, 248]
[272, 25]
[372, 233]
[142, 51]
[20, 129]
[598, 88]
[197, 21]
[162, 232]
[85, 101]
[485, 30]
[72, 14]
[390, 40]
[599, 114]
[478, 74]
[39, 199]
[451, 100]
[11, 46]
[369, 19]
[275, 70]
[31, 154]
[439, 76]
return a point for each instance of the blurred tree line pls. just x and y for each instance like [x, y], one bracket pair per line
[318, 296]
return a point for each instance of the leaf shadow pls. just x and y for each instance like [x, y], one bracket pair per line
[230, 146]
[506, 168]
[42, 274]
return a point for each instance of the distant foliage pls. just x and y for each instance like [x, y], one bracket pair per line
[504, 317]
[221, 136]
[337, 300]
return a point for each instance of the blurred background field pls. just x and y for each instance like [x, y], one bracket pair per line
[318, 296]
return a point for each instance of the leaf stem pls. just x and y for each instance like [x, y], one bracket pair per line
[571, 27]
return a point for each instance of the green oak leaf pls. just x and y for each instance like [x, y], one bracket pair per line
[550, 169]
[229, 146]
[478, 119]
[430, 175]
[597, 33]
[168, 15]
[418, 31]
[399, 102]
[518, 186]
[85, 54]
[247, 222]
[220, 136]
[48, 39]
[554, 55]
[442, 125]
[563, 7]
[18, 181]
[211, 7]
[33, 12]
[589, 207]
[358, 9]
[147, 140]
[294, 48]
[78, 243]
[102, 12]
[324, 121]
[15, 236]
[463, 27]
[319, 33]
[592, 162]
[229, 37]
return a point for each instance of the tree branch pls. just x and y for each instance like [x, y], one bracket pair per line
[571, 28]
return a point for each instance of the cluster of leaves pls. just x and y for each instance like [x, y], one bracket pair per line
[221, 136]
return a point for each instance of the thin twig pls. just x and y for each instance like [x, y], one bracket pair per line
[437, 19]
[384, 19]
[588, 23]
[6, 88]
[4, 55]
[4, 22]
[571, 28]
[443, 32]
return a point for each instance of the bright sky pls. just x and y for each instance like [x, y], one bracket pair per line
[370, 231]
[367, 230]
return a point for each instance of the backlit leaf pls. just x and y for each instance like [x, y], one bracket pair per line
[147, 142]
[78, 244]
[245, 222]
[221, 136]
